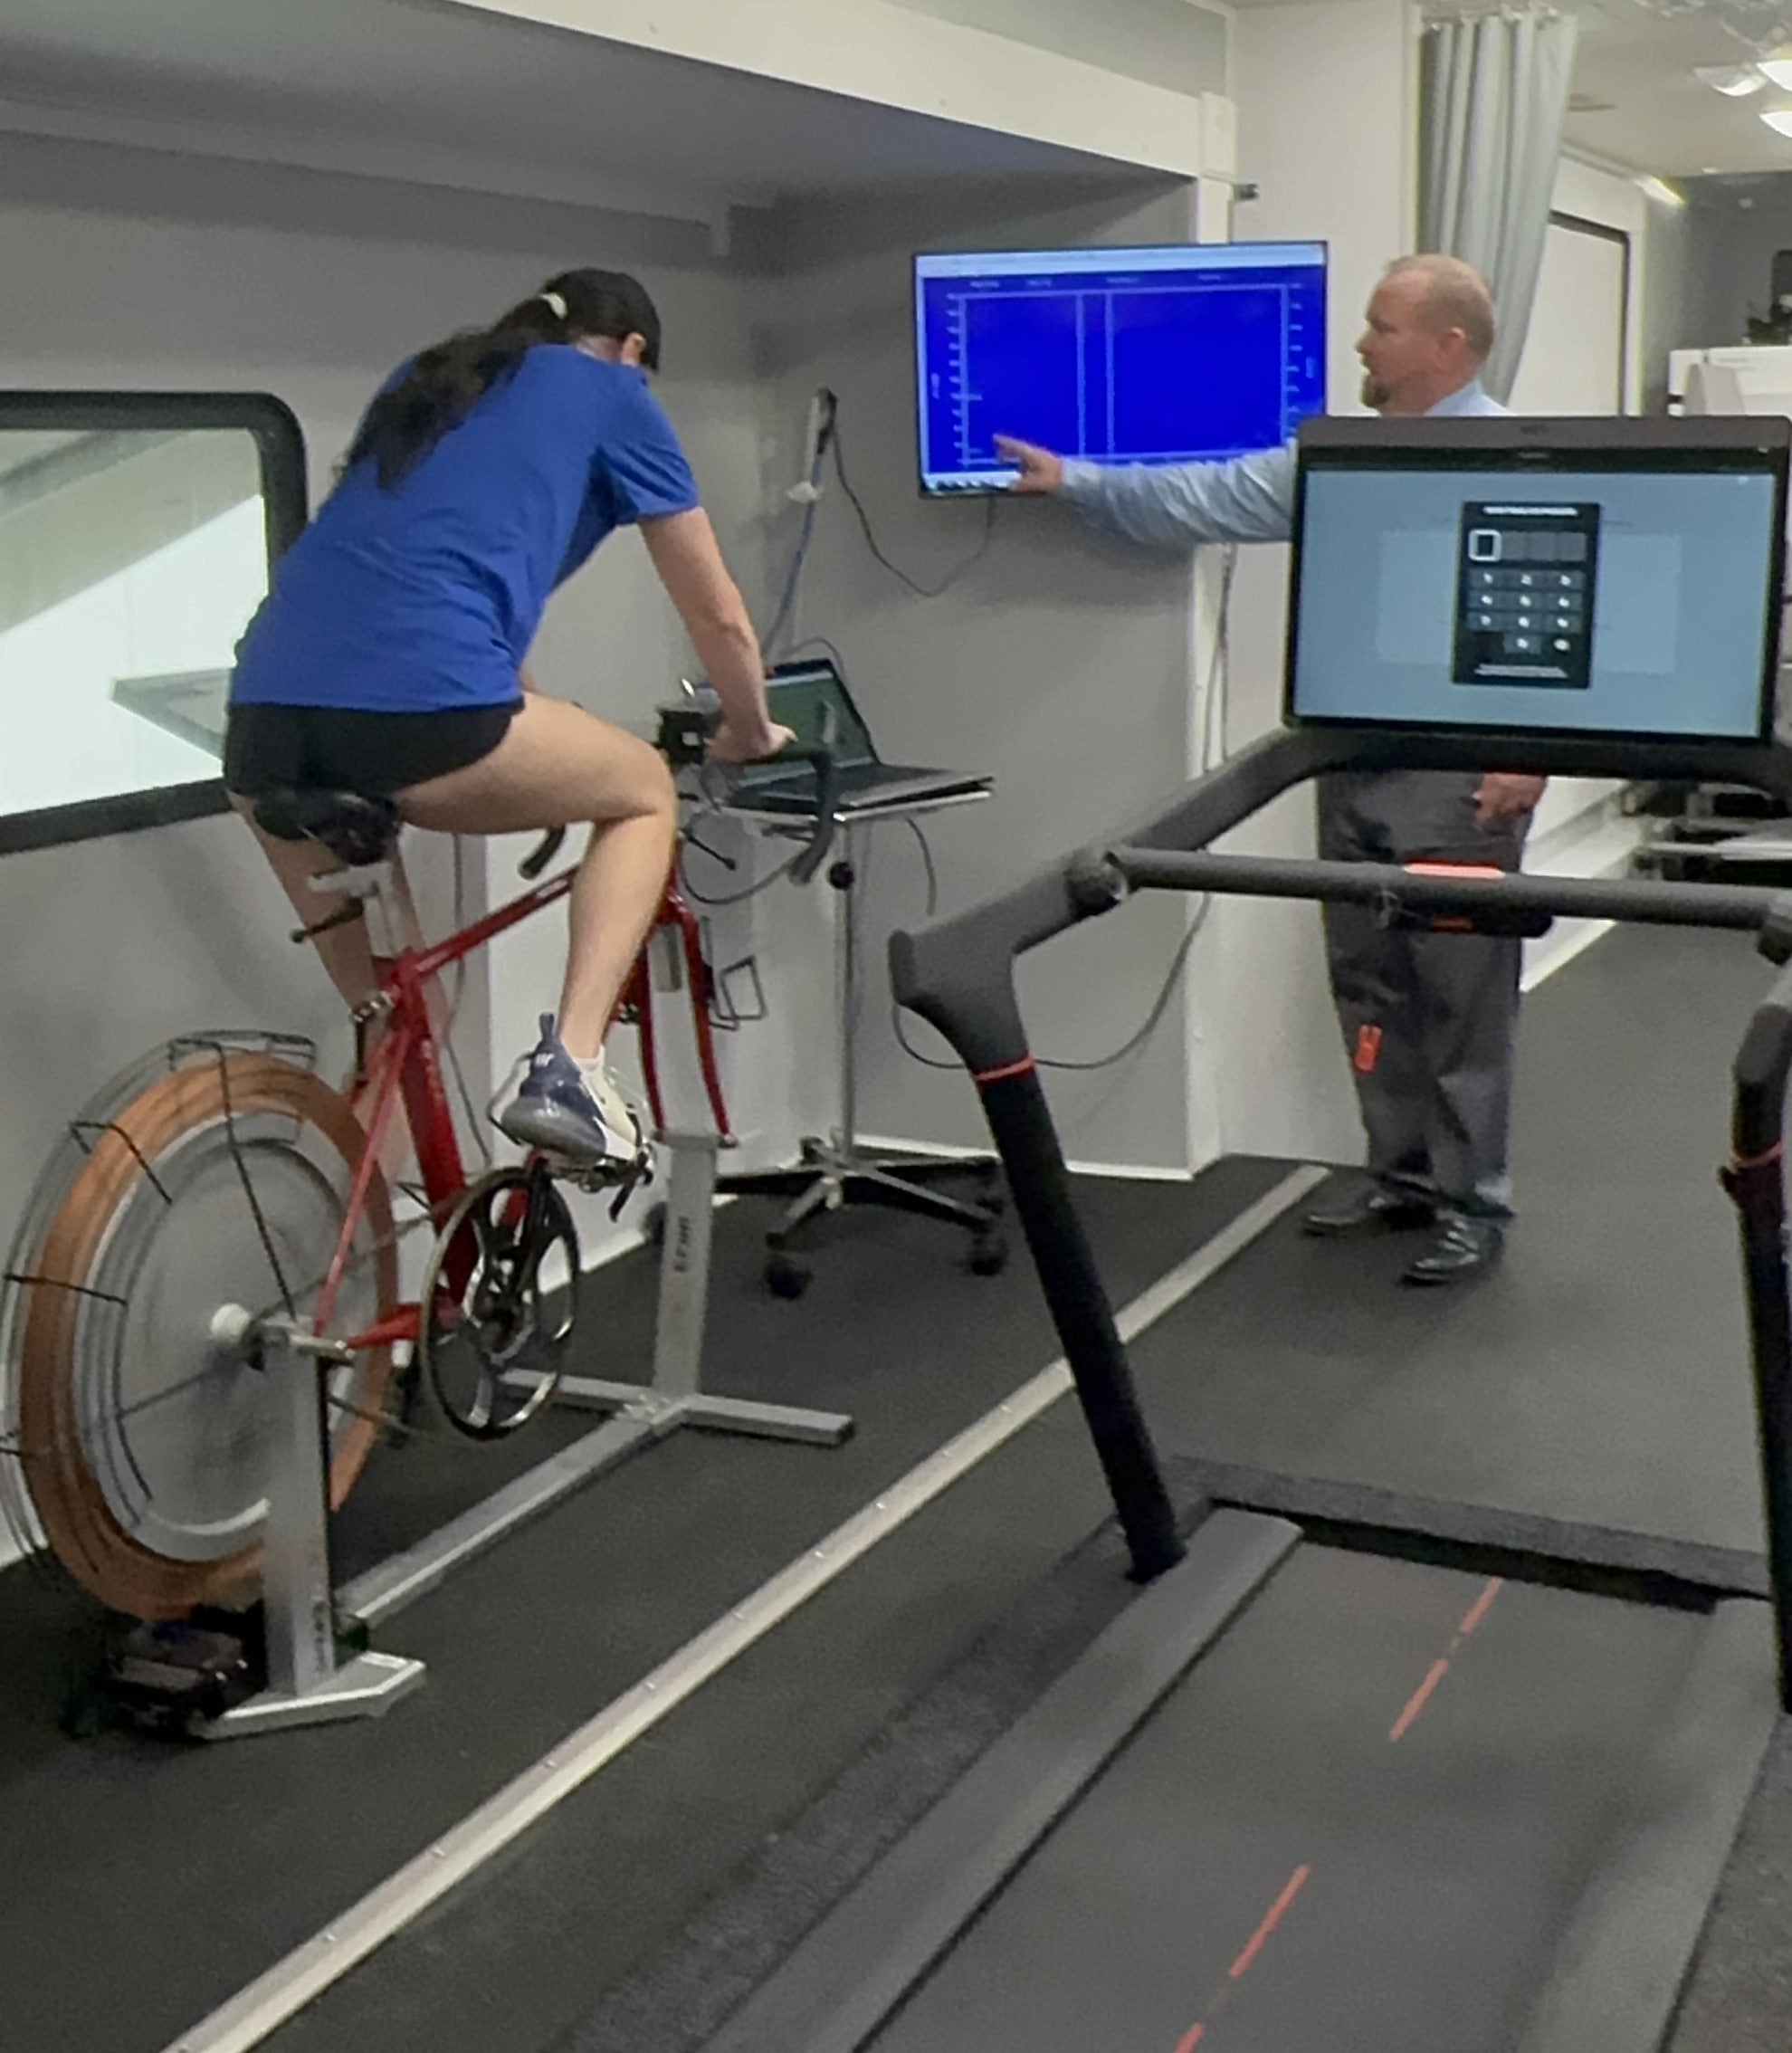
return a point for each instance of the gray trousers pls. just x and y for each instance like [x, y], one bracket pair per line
[1429, 1019]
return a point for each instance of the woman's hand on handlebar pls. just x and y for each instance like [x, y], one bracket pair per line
[729, 744]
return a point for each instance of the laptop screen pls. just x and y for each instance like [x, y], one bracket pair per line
[1624, 589]
[811, 699]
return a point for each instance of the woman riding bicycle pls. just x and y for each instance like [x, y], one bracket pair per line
[387, 658]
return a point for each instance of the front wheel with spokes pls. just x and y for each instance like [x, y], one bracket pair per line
[499, 1300]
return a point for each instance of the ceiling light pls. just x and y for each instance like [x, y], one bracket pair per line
[1736, 81]
[1778, 68]
[1779, 120]
[1659, 189]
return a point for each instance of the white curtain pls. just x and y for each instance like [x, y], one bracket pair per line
[1494, 97]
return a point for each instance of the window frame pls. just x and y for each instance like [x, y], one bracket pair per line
[280, 448]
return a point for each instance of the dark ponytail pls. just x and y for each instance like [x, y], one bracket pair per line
[443, 383]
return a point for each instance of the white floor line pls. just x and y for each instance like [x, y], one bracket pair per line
[269, 2000]
[953, 1151]
[1564, 951]
[1603, 847]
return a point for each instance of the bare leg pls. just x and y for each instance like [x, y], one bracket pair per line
[345, 952]
[558, 765]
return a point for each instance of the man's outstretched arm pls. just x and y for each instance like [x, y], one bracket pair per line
[1177, 506]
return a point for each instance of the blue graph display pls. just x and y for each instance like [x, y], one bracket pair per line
[1172, 355]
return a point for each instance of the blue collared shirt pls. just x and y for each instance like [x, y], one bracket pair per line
[1249, 498]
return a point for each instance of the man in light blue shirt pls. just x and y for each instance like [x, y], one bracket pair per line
[1429, 1019]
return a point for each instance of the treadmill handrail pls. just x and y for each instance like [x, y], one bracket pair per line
[1644, 902]
[957, 973]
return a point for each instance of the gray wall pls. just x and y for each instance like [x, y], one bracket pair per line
[1167, 42]
[1671, 316]
[1723, 257]
[1057, 662]
[129, 268]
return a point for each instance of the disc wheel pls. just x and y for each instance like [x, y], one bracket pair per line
[500, 1298]
[142, 1435]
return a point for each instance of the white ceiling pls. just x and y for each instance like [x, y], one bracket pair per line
[429, 88]
[447, 92]
[1638, 103]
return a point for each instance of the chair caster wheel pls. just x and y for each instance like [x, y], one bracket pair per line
[989, 1256]
[786, 1278]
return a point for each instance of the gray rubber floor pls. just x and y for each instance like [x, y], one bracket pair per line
[1602, 1375]
[146, 1882]
[145, 1885]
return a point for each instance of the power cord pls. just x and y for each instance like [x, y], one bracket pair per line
[824, 429]
[828, 648]
[728, 897]
[1153, 1019]
[769, 639]
[895, 570]
[1211, 749]
[807, 494]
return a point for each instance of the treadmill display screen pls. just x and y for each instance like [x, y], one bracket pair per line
[1603, 595]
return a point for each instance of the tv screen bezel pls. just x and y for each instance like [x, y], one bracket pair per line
[945, 495]
[1623, 442]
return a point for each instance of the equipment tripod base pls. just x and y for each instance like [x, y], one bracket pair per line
[362, 1687]
[829, 1179]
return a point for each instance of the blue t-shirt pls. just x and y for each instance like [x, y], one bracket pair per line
[426, 597]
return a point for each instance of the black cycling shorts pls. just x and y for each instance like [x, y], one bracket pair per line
[267, 747]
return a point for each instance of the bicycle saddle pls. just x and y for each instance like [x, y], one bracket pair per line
[353, 827]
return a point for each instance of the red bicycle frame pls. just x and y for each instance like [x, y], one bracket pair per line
[406, 1066]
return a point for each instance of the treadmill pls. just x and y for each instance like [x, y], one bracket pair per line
[1344, 1775]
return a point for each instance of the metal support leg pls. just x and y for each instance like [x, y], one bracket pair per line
[835, 1171]
[685, 1265]
[676, 1397]
[643, 1413]
[305, 1685]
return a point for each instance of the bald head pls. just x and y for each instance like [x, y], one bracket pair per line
[1453, 294]
[1430, 331]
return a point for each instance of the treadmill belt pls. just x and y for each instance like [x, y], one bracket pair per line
[1360, 1825]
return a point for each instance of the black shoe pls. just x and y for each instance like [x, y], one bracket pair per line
[1372, 1211]
[1463, 1249]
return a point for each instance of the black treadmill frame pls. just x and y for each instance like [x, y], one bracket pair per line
[958, 974]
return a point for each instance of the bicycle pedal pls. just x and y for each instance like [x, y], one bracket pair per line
[621, 1179]
[594, 1177]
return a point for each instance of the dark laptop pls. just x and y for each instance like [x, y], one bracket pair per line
[812, 699]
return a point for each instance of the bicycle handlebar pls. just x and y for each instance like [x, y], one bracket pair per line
[542, 853]
[821, 760]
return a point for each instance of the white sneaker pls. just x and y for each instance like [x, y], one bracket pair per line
[572, 1108]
